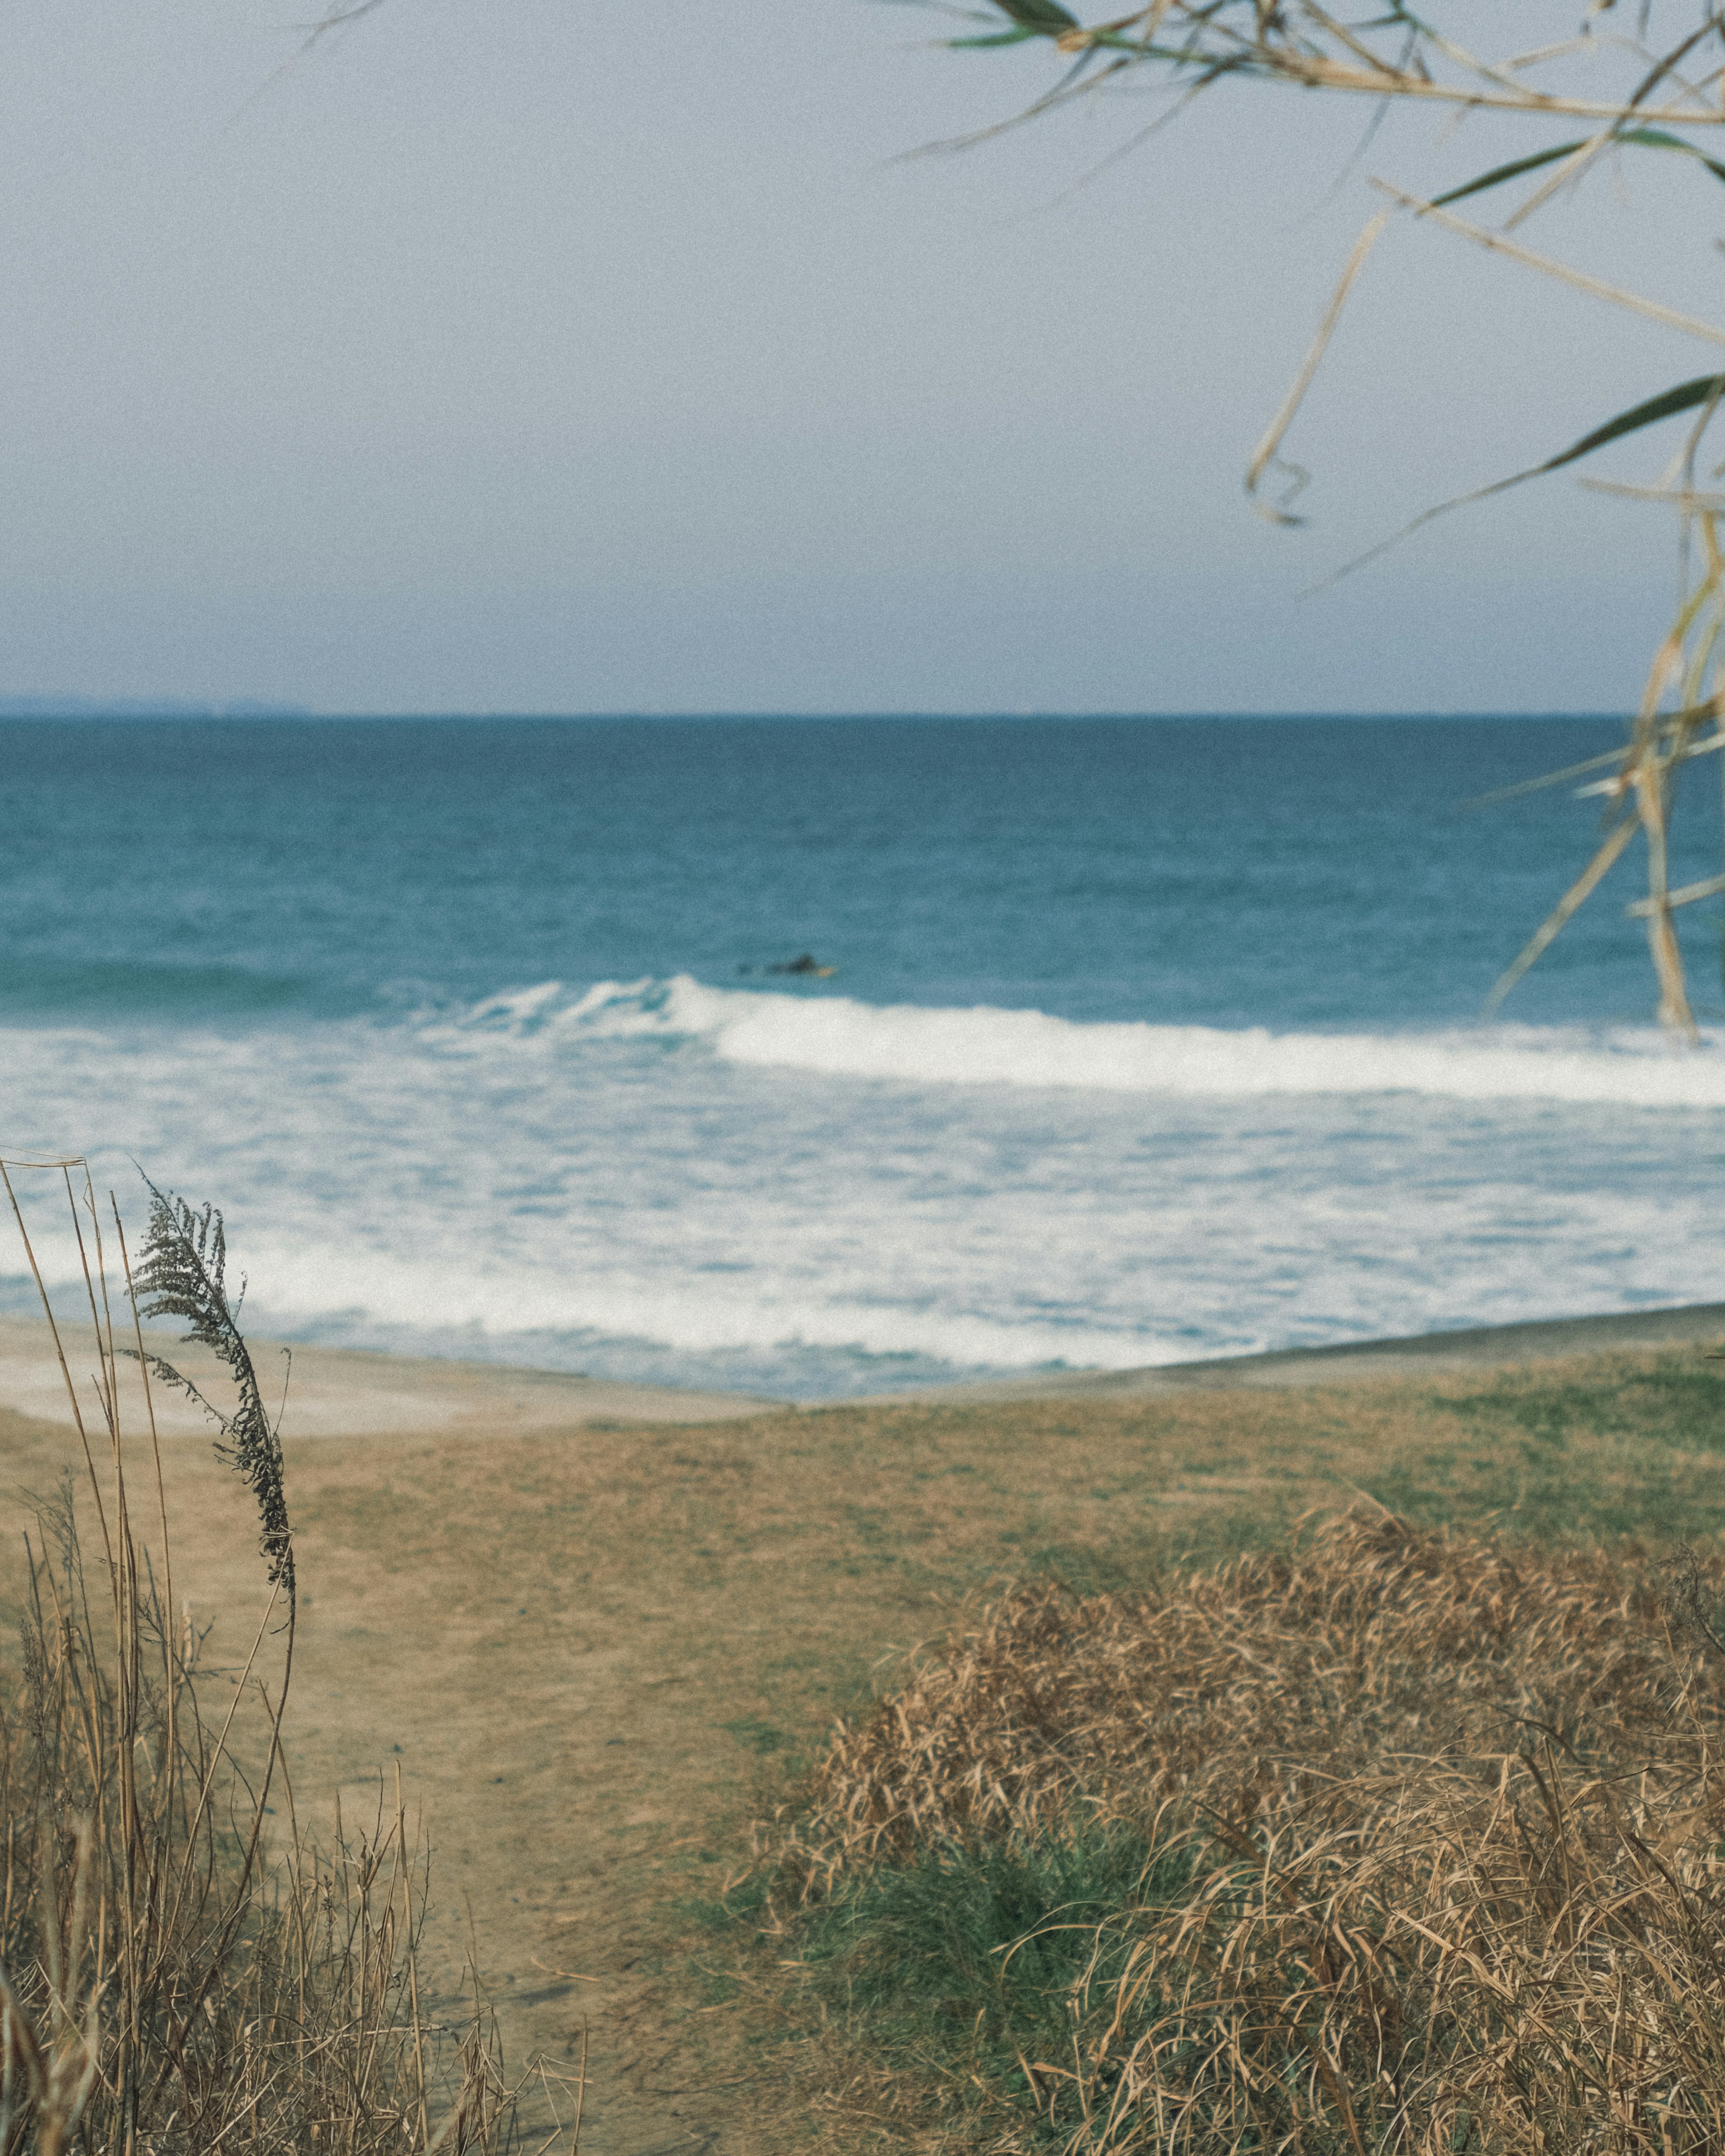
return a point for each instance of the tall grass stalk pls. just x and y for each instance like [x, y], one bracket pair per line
[177, 1973]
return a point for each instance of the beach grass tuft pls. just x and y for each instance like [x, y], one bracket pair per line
[182, 1969]
[1389, 1839]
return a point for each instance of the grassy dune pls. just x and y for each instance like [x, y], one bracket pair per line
[1383, 1833]
[1390, 1840]
[600, 1654]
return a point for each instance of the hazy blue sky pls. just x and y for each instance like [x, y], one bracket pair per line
[561, 358]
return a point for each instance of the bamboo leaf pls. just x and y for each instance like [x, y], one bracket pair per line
[1045, 17]
[1500, 173]
[1641, 138]
[1703, 390]
[1655, 138]
[1683, 398]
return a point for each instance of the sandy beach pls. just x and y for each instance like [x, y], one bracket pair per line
[599, 1626]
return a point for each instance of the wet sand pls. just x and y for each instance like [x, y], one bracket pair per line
[341, 1392]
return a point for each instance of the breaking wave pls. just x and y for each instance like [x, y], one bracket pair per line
[838, 1036]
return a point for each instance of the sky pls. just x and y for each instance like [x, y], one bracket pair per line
[570, 358]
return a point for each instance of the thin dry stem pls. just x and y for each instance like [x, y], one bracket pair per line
[171, 1983]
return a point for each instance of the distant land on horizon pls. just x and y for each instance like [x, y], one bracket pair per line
[143, 707]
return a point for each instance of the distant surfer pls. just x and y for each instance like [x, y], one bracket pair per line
[808, 965]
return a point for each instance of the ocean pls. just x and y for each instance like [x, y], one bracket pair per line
[1142, 1039]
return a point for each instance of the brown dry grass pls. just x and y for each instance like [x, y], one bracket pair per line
[176, 1973]
[1432, 1838]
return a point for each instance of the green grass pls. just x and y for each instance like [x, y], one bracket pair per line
[1675, 1403]
[1638, 1453]
[955, 1972]
[961, 1965]
[756, 1735]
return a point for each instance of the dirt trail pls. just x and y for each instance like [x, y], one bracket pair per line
[506, 1619]
[595, 1654]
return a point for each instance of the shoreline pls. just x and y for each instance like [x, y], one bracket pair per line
[354, 1392]
[1358, 1362]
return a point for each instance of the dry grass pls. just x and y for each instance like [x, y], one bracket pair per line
[1426, 1836]
[179, 1969]
[1194, 43]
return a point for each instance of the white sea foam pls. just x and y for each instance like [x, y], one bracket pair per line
[671, 1180]
[840, 1037]
[697, 1319]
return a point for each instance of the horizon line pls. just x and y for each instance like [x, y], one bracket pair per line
[240, 711]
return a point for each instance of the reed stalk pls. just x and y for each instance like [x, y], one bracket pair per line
[177, 1974]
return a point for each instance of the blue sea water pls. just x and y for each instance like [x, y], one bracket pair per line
[1145, 1039]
